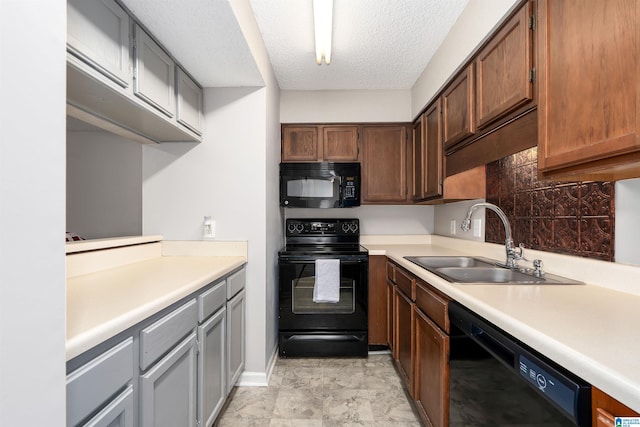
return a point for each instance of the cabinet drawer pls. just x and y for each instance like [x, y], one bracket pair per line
[91, 385]
[211, 300]
[433, 305]
[405, 283]
[118, 413]
[157, 339]
[391, 272]
[235, 283]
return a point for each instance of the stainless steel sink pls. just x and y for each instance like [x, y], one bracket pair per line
[446, 261]
[478, 270]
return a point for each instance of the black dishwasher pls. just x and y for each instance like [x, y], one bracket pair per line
[496, 380]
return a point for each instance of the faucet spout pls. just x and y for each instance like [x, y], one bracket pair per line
[510, 248]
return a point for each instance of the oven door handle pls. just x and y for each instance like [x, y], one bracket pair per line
[343, 261]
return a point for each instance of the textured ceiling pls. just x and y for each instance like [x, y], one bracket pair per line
[377, 44]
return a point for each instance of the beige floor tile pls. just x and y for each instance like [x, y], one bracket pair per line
[324, 392]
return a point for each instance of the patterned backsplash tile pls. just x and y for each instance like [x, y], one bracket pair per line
[569, 218]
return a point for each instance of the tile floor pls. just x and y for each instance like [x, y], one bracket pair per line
[324, 392]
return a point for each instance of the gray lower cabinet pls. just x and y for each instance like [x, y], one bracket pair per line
[168, 389]
[212, 385]
[118, 413]
[236, 331]
[92, 385]
[175, 368]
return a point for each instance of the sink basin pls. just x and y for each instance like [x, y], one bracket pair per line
[446, 261]
[488, 275]
[478, 270]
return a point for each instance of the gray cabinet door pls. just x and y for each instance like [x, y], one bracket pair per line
[212, 367]
[118, 413]
[92, 385]
[154, 74]
[189, 109]
[168, 389]
[235, 339]
[98, 33]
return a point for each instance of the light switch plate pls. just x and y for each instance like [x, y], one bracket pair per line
[453, 227]
[477, 228]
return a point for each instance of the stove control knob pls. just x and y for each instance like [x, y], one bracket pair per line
[291, 227]
[345, 227]
[299, 228]
[353, 227]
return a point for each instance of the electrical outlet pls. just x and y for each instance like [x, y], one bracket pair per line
[453, 227]
[209, 228]
[477, 228]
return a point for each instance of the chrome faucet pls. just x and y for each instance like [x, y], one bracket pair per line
[513, 253]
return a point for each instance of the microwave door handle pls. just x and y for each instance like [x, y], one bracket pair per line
[340, 191]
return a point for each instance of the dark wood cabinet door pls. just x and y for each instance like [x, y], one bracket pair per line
[503, 70]
[589, 99]
[431, 390]
[340, 143]
[404, 337]
[377, 309]
[417, 144]
[458, 108]
[300, 144]
[391, 311]
[433, 173]
[604, 409]
[384, 164]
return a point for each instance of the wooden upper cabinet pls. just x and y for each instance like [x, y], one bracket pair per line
[589, 99]
[417, 143]
[384, 164]
[340, 143]
[317, 143]
[458, 103]
[433, 174]
[300, 144]
[504, 69]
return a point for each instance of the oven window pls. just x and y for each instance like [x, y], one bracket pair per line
[302, 297]
[313, 187]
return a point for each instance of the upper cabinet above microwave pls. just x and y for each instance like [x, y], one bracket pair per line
[317, 143]
[120, 79]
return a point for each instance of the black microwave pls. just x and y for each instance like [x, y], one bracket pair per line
[319, 185]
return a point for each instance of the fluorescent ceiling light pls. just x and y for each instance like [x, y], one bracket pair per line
[323, 25]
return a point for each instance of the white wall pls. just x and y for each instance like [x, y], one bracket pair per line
[346, 106]
[458, 211]
[32, 219]
[104, 185]
[378, 220]
[627, 226]
[232, 175]
[476, 21]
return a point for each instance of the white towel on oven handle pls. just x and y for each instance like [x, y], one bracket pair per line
[326, 288]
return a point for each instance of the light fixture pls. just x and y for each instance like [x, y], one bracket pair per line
[323, 25]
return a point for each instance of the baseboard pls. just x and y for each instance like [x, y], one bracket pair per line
[258, 379]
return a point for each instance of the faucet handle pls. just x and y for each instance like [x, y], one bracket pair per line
[537, 268]
[519, 252]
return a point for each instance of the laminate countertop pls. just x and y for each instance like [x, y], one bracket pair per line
[591, 329]
[105, 300]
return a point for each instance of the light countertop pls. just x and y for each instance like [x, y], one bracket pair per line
[112, 298]
[591, 329]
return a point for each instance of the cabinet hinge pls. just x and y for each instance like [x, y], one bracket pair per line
[532, 75]
[532, 22]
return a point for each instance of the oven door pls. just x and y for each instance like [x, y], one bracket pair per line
[297, 310]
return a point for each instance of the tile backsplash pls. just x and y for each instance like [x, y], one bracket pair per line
[570, 218]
